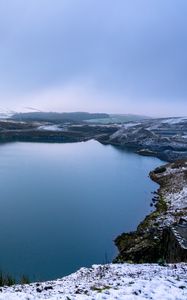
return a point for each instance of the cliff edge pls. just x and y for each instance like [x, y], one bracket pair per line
[163, 234]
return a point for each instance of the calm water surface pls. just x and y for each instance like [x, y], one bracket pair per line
[62, 205]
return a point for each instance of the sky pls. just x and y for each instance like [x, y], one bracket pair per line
[114, 56]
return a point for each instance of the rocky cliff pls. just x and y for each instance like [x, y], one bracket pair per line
[163, 234]
[164, 138]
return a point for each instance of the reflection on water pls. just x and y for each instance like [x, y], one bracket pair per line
[62, 205]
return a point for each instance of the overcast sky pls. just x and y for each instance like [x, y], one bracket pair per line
[116, 56]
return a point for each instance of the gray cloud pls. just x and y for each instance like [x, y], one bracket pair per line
[133, 53]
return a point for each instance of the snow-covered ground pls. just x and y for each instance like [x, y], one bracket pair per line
[51, 128]
[112, 281]
[176, 200]
[175, 120]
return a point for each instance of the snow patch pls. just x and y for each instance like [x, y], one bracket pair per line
[178, 199]
[51, 128]
[112, 281]
[174, 120]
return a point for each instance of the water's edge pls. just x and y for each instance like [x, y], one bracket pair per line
[158, 237]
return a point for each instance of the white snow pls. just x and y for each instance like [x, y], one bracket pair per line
[174, 120]
[131, 124]
[51, 128]
[174, 194]
[178, 199]
[112, 281]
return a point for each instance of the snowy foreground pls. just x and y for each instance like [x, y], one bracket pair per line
[118, 281]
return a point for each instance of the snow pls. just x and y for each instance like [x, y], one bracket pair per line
[112, 281]
[118, 134]
[174, 120]
[51, 128]
[131, 124]
[178, 199]
[174, 193]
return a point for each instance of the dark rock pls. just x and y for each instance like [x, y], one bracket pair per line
[46, 288]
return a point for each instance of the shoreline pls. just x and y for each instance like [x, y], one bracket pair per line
[111, 281]
[155, 235]
[146, 243]
[165, 139]
[131, 275]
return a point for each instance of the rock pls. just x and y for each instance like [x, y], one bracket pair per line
[164, 138]
[163, 233]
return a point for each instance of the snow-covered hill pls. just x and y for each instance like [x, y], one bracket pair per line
[112, 281]
[165, 138]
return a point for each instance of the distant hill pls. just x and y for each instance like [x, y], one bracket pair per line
[54, 116]
[97, 118]
[118, 118]
[129, 117]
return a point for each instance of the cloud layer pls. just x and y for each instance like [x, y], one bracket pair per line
[125, 56]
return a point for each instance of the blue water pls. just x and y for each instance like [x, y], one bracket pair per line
[62, 205]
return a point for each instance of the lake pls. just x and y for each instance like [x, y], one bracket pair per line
[62, 205]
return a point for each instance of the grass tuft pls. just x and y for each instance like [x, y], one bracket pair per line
[8, 280]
